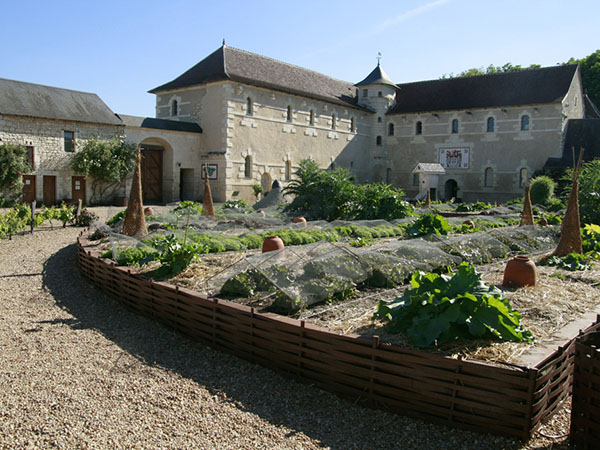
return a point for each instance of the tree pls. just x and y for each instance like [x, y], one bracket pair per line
[508, 67]
[13, 164]
[107, 162]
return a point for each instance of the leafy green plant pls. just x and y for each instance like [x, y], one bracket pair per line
[429, 223]
[470, 207]
[541, 190]
[118, 217]
[66, 214]
[235, 204]
[132, 256]
[443, 308]
[589, 191]
[572, 262]
[258, 189]
[590, 238]
[85, 218]
[174, 255]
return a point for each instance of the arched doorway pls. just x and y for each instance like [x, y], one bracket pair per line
[266, 182]
[450, 189]
[152, 173]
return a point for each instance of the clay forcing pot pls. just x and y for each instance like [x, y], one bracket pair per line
[469, 223]
[299, 220]
[520, 271]
[148, 211]
[272, 243]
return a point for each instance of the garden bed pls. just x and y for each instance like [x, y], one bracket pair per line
[512, 400]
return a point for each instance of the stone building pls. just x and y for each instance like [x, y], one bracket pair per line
[249, 120]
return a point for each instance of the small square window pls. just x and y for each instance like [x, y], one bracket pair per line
[365, 92]
[380, 94]
[69, 137]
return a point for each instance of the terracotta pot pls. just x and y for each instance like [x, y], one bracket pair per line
[543, 222]
[520, 271]
[272, 243]
[148, 211]
[469, 223]
[299, 220]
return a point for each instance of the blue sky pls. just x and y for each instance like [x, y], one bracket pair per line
[121, 49]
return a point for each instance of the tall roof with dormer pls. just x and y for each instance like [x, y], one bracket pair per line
[227, 63]
[36, 100]
[526, 87]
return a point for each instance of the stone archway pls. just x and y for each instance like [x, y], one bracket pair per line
[450, 189]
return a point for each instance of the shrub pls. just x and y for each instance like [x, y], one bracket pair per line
[542, 190]
[429, 223]
[444, 308]
[589, 192]
[13, 164]
[86, 218]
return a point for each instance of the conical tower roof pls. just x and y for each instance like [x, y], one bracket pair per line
[377, 76]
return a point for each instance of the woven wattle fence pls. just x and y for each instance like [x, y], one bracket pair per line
[585, 412]
[511, 400]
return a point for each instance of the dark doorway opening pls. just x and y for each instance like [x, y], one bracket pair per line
[450, 190]
[152, 173]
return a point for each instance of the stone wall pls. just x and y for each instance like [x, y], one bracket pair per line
[46, 136]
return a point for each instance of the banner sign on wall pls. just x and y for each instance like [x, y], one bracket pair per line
[454, 158]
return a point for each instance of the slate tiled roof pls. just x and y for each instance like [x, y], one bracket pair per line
[377, 76]
[580, 133]
[35, 100]
[527, 87]
[229, 63]
[160, 124]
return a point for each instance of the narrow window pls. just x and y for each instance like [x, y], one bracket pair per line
[379, 120]
[352, 125]
[174, 108]
[419, 128]
[248, 167]
[29, 156]
[415, 179]
[333, 122]
[311, 119]
[455, 126]
[249, 107]
[351, 164]
[332, 165]
[378, 141]
[525, 123]
[391, 129]
[69, 141]
[487, 177]
[289, 113]
[523, 177]
[380, 94]
[288, 170]
[388, 176]
[490, 125]
[365, 92]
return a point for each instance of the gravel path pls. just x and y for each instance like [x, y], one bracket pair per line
[78, 370]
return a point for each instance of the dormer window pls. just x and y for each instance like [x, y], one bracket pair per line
[352, 125]
[419, 128]
[490, 125]
[289, 113]
[174, 108]
[455, 126]
[249, 107]
[311, 118]
[333, 122]
[525, 123]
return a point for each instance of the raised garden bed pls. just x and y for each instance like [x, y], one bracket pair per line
[511, 400]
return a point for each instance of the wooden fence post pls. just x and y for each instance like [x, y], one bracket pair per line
[32, 215]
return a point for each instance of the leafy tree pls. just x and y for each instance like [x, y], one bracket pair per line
[542, 190]
[107, 162]
[13, 164]
[589, 191]
[508, 67]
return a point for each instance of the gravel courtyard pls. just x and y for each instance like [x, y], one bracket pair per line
[78, 370]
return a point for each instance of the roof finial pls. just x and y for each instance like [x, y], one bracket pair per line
[378, 58]
[223, 42]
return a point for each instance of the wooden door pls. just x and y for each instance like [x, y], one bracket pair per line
[152, 170]
[49, 190]
[28, 188]
[78, 189]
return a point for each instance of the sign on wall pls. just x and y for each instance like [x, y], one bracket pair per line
[212, 171]
[454, 158]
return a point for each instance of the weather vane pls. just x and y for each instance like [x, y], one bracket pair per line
[378, 58]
